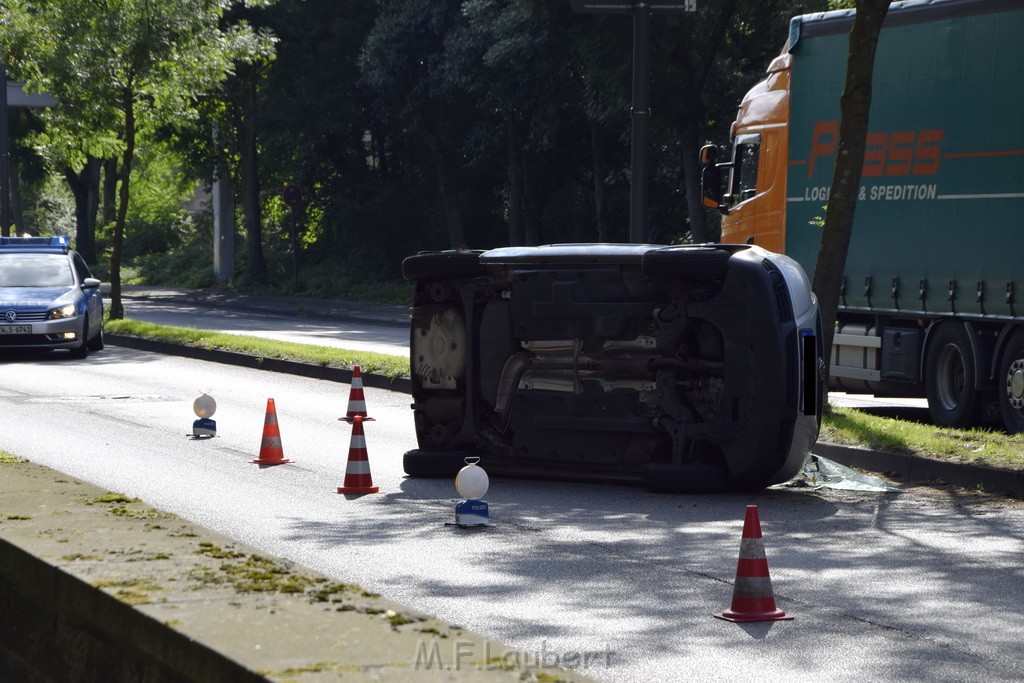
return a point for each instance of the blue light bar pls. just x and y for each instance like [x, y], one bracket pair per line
[57, 244]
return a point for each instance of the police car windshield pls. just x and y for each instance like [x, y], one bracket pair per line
[35, 270]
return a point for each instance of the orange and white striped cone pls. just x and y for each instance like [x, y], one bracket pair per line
[357, 473]
[271, 452]
[356, 400]
[752, 597]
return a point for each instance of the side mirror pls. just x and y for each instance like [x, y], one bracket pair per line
[711, 178]
[90, 283]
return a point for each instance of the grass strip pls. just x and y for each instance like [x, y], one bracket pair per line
[326, 356]
[853, 427]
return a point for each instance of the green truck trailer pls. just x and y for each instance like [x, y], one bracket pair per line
[933, 291]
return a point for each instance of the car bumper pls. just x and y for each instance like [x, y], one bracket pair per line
[48, 334]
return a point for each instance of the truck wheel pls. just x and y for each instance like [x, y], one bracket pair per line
[950, 376]
[1010, 382]
[442, 263]
[435, 464]
[688, 262]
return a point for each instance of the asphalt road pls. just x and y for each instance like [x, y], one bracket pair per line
[340, 324]
[920, 585]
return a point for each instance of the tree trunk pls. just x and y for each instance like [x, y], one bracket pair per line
[252, 213]
[690, 148]
[85, 189]
[109, 192]
[515, 184]
[855, 104]
[116, 306]
[17, 211]
[599, 157]
[447, 184]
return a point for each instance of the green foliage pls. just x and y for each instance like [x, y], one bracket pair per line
[407, 124]
[383, 364]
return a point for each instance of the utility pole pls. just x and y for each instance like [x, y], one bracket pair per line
[640, 151]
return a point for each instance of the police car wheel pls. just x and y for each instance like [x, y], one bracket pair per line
[96, 343]
[82, 350]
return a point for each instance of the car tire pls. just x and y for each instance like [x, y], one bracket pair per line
[689, 263]
[96, 343]
[425, 464]
[442, 264]
[82, 350]
[690, 478]
[950, 377]
[1010, 382]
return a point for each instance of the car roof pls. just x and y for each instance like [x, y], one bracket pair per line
[34, 245]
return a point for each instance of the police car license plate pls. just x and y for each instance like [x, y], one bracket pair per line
[15, 329]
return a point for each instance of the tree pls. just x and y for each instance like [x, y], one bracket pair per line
[404, 65]
[116, 66]
[855, 105]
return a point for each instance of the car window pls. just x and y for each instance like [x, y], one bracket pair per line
[35, 270]
[83, 270]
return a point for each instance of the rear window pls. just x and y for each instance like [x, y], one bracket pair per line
[35, 270]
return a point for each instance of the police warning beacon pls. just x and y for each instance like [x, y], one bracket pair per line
[471, 482]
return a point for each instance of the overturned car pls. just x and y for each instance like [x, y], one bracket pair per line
[683, 368]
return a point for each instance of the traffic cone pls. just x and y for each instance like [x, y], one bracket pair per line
[357, 473]
[356, 402]
[271, 452]
[752, 597]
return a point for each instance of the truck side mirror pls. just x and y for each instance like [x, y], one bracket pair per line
[711, 178]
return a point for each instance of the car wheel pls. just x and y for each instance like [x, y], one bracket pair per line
[96, 343]
[950, 378]
[690, 478]
[82, 350]
[435, 464]
[1010, 380]
[442, 263]
[691, 262]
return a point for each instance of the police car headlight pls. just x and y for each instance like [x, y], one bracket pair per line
[66, 311]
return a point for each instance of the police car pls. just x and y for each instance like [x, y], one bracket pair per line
[48, 297]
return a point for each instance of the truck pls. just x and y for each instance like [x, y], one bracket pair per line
[688, 368]
[929, 304]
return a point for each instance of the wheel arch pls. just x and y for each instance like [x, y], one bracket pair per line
[985, 355]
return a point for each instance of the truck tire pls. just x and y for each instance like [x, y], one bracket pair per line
[442, 264]
[689, 262]
[420, 463]
[950, 377]
[1010, 382]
